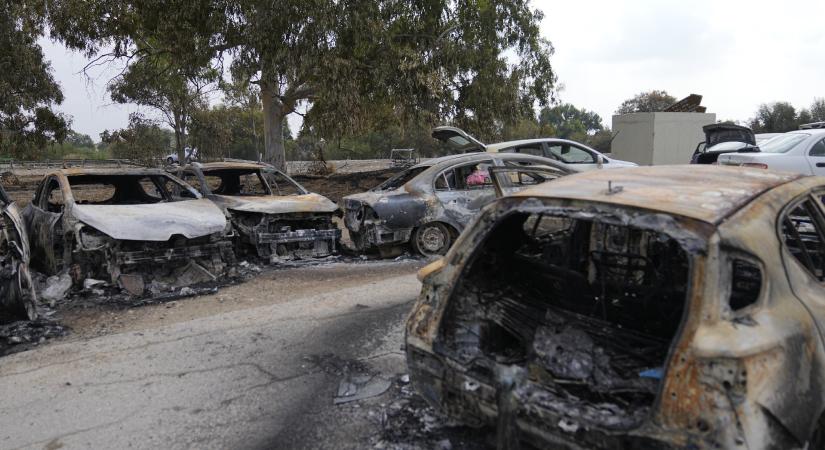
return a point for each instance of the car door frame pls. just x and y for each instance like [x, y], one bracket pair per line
[42, 227]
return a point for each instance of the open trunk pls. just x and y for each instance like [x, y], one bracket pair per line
[586, 312]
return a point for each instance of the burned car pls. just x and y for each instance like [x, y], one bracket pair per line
[430, 203]
[17, 297]
[650, 307]
[274, 217]
[132, 227]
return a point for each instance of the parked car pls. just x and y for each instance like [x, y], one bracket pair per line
[723, 138]
[429, 204]
[131, 226]
[574, 154]
[191, 154]
[274, 217]
[17, 297]
[401, 158]
[651, 307]
[801, 151]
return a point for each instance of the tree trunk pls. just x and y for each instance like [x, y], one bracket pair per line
[179, 138]
[274, 152]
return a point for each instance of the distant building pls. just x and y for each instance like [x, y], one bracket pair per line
[659, 137]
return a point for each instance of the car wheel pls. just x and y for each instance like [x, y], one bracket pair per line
[170, 161]
[432, 239]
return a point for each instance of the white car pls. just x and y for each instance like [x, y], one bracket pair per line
[801, 151]
[575, 154]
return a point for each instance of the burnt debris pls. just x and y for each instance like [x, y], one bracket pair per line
[587, 309]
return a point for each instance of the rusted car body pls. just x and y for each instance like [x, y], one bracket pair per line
[17, 296]
[652, 307]
[273, 216]
[429, 204]
[131, 226]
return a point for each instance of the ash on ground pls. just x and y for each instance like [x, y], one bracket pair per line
[407, 422]
[21, 335]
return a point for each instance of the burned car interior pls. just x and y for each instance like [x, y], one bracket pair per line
[590, 308]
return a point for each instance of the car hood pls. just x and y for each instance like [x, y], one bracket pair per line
[274, 204]
[153, 222]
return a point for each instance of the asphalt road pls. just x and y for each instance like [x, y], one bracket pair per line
[257, 370]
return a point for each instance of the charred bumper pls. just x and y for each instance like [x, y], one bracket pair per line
[297, 236]
[218, 249]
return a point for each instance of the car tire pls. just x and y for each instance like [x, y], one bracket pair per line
[170, 161]
[432, 239]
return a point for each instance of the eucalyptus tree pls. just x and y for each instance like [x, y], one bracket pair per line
[342, 63]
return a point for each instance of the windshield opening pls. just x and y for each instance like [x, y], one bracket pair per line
[783, 144]
[235, 182]
[400, 179]
[283, 185]
[126, 189]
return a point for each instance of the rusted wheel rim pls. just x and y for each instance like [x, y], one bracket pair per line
[432, 239]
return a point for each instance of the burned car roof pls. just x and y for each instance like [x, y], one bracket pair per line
[107, 171]
[705, 193]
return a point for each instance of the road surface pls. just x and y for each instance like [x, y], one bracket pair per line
[254, 366]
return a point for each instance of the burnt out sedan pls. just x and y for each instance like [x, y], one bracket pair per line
[274, 217]
[17, 297]
[130, 226]
[651, 307]
[428, 205]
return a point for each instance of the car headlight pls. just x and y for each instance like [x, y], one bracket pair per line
[90, 239]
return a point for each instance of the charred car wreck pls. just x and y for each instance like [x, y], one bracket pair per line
[133, 227]
[17, 297]
[429, 204]
[642, 308]
[274, 217]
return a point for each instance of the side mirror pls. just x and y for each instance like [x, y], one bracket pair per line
[600, 161]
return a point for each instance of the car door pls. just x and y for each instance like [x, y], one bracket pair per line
[44, 225]
[464, 189]
[816, 157]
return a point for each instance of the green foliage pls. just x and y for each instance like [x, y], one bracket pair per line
[69, 151]
[28, 92]
[76, 139]
[818, 110]
[570, 122]
[227, 131]
[651, 101]
[143, 140]
[777, 117]
[355, 65]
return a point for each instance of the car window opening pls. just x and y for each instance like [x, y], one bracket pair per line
[746, 284]
[589, 309]
[123, 189]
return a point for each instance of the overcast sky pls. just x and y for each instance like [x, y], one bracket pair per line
[737, 54]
